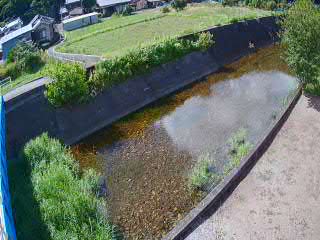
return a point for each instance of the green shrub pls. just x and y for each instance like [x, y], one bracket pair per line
[205, 41]
[69, 86]
[300, 38]
[68, 202]
[266, 4]
[127, 10]
[230, 2]
[165, 10]
[201, 175]
[141, 60]
[235, 20]
[12, 70]
[270, 5]
[26, 56]
[179, 5]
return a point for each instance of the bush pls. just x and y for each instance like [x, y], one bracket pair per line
[270, 5]
[26, 56]
[300, 38]
[179, 5]
[69, 86]
[127, 10]
[68, 203]
[165, 10]
[205, 41]
[230, 2]
[12, 70]
[140, 61]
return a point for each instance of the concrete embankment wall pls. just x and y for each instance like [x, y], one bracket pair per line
[29, 114]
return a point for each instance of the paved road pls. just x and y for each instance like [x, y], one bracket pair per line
[280, 198]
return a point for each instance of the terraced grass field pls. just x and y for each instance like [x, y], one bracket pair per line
[117, 35]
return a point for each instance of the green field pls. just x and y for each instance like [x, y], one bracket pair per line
[117, 35]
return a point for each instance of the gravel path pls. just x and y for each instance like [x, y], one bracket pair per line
[280, 198]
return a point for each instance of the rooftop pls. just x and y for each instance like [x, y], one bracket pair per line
[33, 24]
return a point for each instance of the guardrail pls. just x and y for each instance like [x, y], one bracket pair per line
[5, 82]
[7, 229]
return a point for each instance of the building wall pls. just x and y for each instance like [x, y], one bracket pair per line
[80, 23]
[49, 34]
[141, 4]
[73, 5]
[108, 11]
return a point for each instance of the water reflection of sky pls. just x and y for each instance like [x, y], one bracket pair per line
[204, 124]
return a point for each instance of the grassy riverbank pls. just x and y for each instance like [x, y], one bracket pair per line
[118, 35]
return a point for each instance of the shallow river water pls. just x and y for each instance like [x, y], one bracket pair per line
[146, 158]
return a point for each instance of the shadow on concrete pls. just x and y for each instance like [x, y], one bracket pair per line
[25, 208]
[313, 102]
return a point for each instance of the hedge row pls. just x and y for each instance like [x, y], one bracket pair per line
[71, 86]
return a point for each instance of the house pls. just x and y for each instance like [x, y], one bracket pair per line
[108, 7]
[11, 26]
[64, 13]
[39, 30]
[154, 3]
[76, 12]
[71, 8]
[139, 4]
[72, 4]
[80, 21]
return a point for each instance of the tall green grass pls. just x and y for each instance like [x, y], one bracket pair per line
[68, 202]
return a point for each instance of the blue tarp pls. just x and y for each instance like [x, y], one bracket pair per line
[6, 219]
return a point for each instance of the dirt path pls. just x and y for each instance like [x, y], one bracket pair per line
[280, 198]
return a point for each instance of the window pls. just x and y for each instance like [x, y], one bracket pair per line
[43, 34]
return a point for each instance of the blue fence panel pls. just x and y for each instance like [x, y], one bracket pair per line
[7, 229]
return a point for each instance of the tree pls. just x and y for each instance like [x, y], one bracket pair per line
[300, 38]
[27, 9]
[179, 5]
[69, 86]
[88, 4]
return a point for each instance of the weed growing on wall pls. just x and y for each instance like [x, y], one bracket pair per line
[68, 201]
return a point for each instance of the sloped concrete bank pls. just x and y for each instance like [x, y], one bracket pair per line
[215, 199]
[29, 113]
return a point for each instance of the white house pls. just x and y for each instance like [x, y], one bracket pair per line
[80, 21]
[108, 7]
[39, 30]
[11, 26]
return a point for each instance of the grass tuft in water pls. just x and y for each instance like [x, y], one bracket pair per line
[239, 148]
[202, 174]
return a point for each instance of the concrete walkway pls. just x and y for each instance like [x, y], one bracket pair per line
[88, 60]
[280, 198]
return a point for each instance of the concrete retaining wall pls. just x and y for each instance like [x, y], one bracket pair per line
[29, 114]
